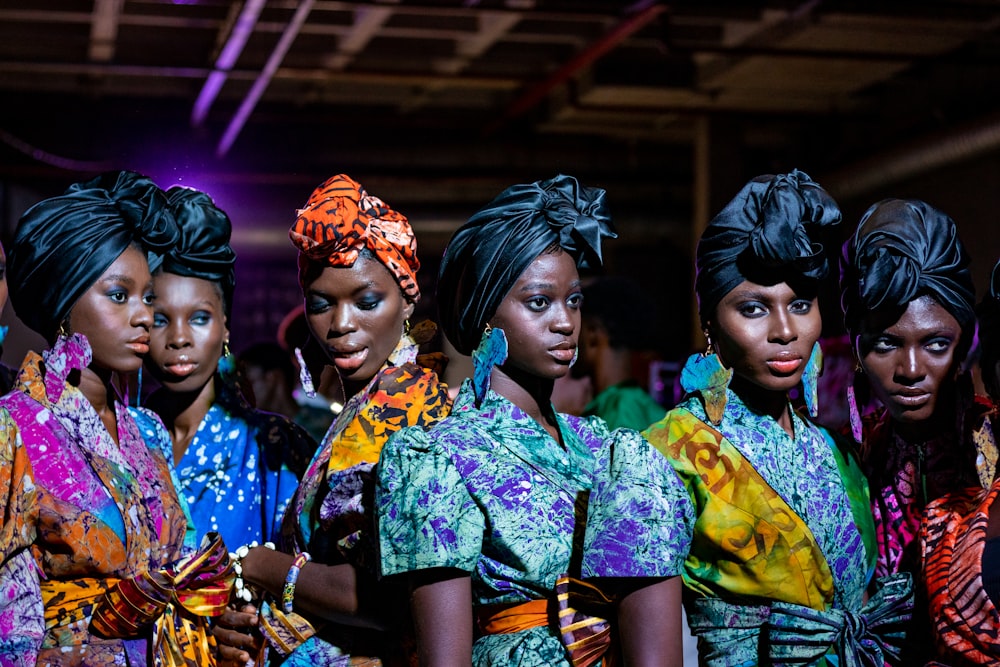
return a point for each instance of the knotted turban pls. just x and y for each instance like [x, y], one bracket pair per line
[340, 219]
[203, 250]
[63, 244]
[903, 249]
[489, 253]
[767, 234]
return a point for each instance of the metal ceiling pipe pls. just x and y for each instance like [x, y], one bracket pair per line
[226, 60]
[646, 11]
[260, 85]
[916, 158]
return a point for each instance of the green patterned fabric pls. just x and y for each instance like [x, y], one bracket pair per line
[489, 491]
[625, 405]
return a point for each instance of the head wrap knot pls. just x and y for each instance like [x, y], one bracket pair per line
[63, 244]
[766, 234]
[489, 253]
[203, 250]
[341, 218]
[901, 250]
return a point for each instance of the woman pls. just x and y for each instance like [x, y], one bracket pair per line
[237, 468]
[960, 534]
[357, 268]
[908, 306]
[92, 524]
[501, 510]
[783, 547]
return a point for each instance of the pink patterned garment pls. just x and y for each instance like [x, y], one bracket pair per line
[903, 477]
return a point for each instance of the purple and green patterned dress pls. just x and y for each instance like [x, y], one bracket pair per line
[783, 550]
[488, 490]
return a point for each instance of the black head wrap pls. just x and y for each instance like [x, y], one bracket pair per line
[63, 244]
[489, 253]
[901, 250]
[203, 250]
[767, 234]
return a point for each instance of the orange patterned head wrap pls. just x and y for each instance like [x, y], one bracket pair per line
[341, 219]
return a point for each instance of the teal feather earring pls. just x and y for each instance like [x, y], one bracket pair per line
[492, 351]
[704, 374]
[810, 379]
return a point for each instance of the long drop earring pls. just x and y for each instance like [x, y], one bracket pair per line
[491, 351]
[304, 376]
[227, 363]
[853, 412]
[810, 379]
[705, 374]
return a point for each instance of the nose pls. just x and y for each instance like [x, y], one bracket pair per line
[565, 320]
[342, 321]
[178, 335]
[142, 315]
[782, 329]
[909, 368]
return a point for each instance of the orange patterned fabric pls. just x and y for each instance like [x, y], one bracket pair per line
[952, 539]
[341, 218]
[503, 619]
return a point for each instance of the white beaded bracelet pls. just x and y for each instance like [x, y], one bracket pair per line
[241, 591]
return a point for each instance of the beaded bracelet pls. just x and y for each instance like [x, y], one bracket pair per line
[241, 590]
[288, 592]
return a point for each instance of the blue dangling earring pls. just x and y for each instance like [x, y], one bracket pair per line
[810, 380]
[853, 411]
[492, 351]
[227, 364]
[704, 374]
[3, 334]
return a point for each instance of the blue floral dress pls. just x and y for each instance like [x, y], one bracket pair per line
[489, 491]
[225, 479]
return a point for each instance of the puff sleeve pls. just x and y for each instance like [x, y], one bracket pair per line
[640, 517]
[426, 516]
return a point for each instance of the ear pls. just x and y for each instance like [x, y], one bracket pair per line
[408, 310]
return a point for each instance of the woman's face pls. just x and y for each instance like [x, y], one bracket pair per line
[189, 328]
[908, 362]
[766, 334]
[115, 314]
[541, 316]
[356, 313]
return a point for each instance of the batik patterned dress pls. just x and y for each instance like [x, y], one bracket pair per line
[331, 516]
[952, 539]
[783, 545]
[91, 512]
[225, 473]
[905, 475]
[490, 492]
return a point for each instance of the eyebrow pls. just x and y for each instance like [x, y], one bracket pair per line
[532, 287]
[119, 278]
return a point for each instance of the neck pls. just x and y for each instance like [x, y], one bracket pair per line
[773, 404]
[532, 394]
[182, 413]
[96, 386]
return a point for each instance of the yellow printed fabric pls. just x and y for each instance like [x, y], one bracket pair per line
[747, 540]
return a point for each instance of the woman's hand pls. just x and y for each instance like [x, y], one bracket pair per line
[235, 636]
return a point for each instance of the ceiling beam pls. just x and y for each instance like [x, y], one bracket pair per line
[104, 30]
[368, 21]
[260, 85]
[230, 52]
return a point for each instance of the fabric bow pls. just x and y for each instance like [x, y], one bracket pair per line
[177, 600]
[587, 638]
[801, 636]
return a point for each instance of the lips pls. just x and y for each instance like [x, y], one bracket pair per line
[563, 352]
[785, 364]
[911, 397]
[139, 345]
[348, 361]
[180, 368]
